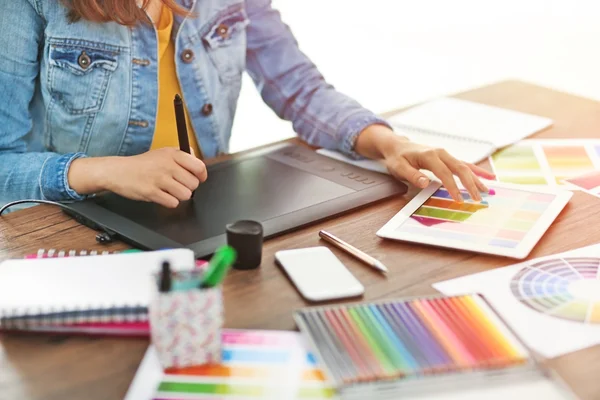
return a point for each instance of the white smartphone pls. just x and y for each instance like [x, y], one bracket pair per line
[318, 274]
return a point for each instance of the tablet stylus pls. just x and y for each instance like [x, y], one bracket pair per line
[182, 133]
[348, 248]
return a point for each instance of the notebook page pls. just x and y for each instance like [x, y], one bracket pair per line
[468, 151]
[56, 284]
[470, 120]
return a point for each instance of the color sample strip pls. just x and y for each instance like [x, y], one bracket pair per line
[501, 220]
[256, 364]
[564, 158]
[587, 181]
[400, 339]
[546, 162]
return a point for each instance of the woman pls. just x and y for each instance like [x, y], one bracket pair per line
[87, 89]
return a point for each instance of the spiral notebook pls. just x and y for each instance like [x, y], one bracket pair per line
[92, 294]
[469, 131]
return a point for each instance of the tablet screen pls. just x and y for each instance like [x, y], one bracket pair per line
[501, 220]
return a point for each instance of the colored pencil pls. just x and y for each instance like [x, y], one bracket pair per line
[415, 337]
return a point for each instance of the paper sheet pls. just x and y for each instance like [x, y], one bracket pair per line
[552, 303]
[589, 182]
[256, 365]
[546, 162]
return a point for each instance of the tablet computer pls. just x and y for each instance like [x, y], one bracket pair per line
[282, 186]
[507, 222]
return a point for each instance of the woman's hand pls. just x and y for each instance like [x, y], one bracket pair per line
[404, 158]
[164, 176]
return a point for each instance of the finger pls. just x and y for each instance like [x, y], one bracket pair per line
[186, 178]
[402, 170]
[482, 172]
[464, 173]
[441, 170]
[163, 198]
[480, 185]
[176, 189]
[192, 164]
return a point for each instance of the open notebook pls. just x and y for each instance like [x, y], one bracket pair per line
[469, 131]
[106, 294]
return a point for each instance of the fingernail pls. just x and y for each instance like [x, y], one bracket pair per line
[422, 182]
[460, 199]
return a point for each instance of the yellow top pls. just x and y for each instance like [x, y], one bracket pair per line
[165, 134]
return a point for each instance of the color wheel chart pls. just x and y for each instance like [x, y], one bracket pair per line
[546, 162]
[567, 288]
[500, 220]
[255, 365]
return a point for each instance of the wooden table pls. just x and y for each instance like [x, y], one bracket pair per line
[66, 367]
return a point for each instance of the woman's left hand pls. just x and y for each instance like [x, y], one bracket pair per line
[404, 159]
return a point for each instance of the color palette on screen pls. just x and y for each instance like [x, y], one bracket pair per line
[546, 162]
[500, 220]
[410, 338]
[566, 288]
[255, 364]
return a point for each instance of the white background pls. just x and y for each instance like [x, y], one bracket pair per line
[392, 53]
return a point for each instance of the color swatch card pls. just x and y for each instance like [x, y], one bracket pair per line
[553, 303]
[435, 347]
[589, 182]
[546, 162]
[255, 365]
[509, 221]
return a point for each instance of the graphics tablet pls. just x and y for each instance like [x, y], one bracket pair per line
[508, 222]
[282, 186]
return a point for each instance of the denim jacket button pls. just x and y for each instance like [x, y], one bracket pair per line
[84, 60]
[223, 31]
[207, 109]
[187, 56]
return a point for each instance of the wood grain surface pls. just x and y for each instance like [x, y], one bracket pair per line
[75, 367]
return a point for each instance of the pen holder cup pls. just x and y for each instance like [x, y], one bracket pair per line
[185, 327]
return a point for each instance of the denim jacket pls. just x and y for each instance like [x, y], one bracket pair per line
[82, 89]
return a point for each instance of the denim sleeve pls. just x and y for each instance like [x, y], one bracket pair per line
[23, 174]
[293, 87]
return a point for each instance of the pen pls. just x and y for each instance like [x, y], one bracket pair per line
[218, 266]
[348, 248]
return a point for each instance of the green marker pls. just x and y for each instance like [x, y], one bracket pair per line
[218, 266]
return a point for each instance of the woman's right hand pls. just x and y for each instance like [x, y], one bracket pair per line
[164, 176]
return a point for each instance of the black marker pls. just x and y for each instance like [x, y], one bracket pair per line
[165, 278]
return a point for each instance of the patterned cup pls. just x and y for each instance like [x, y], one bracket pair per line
[185, 327]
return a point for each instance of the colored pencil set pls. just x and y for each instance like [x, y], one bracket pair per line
[418, 337]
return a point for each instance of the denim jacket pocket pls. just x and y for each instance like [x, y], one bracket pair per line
[78, 74]
[225, 41]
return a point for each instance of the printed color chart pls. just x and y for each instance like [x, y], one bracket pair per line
[588, 182]
[546, 162]
[410, 338]
[567, 288]
[500, 220]
[255, 365]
